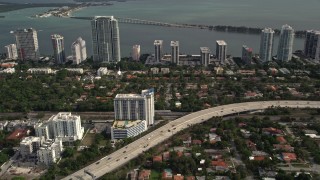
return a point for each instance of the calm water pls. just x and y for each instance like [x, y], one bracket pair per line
[254, 13]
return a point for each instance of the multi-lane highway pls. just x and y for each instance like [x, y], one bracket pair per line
[131, 151]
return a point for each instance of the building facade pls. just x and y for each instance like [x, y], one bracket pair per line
[105, 39]
[129, 107]
[58, 48]
[312, 45]
[125, 129]
[64, 126]
[158, 45]
[246, 54]
[29, 146]
[205, 56]
[175, 52]
[11, 51]
[79, 51]
[136, 52]
[27, 44]
[266, 44]
[285, 43]
[50, 151]
[221, 51]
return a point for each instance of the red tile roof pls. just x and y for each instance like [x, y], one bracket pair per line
[196, 141]
[178, 177]
[289, 157]
[157, 158]
[259, 158]
[190, 178]
[220, 163]
[281, 140]
[18, 134]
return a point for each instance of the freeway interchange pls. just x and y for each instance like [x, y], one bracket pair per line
[122, 156]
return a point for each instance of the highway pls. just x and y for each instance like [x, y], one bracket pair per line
[134, 149]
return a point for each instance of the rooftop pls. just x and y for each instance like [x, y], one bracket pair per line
[174, 43]
[125, 124]
[205, 50]
[158, 42]
[221, 43]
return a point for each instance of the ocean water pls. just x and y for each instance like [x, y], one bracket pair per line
[299, 14]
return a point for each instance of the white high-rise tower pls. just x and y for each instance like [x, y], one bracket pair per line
[175, 52]
[158, 49]
[266, 44]
[11, 51]
[58, 48]
[27, 44]
[221, 51]
[105, 39]
[285, 43]
[79, 51]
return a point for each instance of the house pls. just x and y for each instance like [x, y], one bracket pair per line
[190, 178]
[144, 174]
[154, 70]
[157, 158]
[167, 174]
[251, 145]
[249, 95]
[281, 140]
[241, 124]
[178, 177]
[196, 142]
[272, 131]
[283, 147]
[220, 165]
[166, 156]
[133, 174]
[213, 138]
[258, 156]
[288, 157]
[245, 133]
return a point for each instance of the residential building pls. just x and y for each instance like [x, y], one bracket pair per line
[58, 48]
[126, 129]
[40, 71]
[102, 71]
[205, 56]
[312, 45]
[50, 151]
[8, 71]
[64, 126]
[29, 145]
[42, 130]
[246, 54]
[165, 70]
[221, 51]
[285, 43]
[136, 52]
[105, 39]
[135, 106]
[75, 70]
[266, 44]
[11, 51]
[79, 51]
[27, 44]
[175, 52]
[154, 70]
[158, 50]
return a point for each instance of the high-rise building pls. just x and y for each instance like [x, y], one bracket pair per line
[11, 51]
[221, 51]
[312, 45]
[29, 146]
[79, 51]
[266, 44]
[64, 126]
[174, 52]
[105, 39]
[135, 106]
[205, 56]
[136, 52]
[285, 43]
[58, 48]
[246, 54]
[27, 44]
[50, 151]
[158, 49]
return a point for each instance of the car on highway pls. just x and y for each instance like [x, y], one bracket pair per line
[125, 157]
[124, 151]
[118, 160]
[98, 162]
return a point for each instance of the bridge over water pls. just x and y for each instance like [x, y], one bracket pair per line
[154, 23]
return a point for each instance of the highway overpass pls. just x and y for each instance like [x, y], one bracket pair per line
[131, 151]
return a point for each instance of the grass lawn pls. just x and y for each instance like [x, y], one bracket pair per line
[155, 175]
